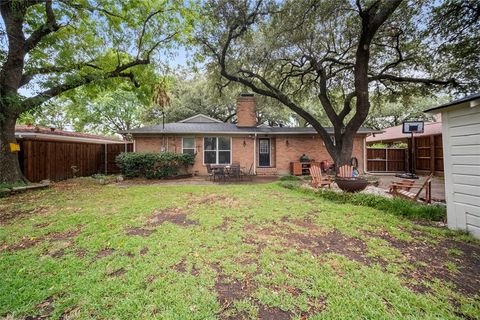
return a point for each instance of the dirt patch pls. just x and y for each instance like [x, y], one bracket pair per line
[117, 273]
[28, 242]
[41, 225]
[215, 199]
[59, 236]
[80, 253]
[175, 216]
[180, 267]
[58, 254]
[144, 251]
[103, 253]
[44, 309]
[229, 290]
[431, 262]
[265, 312]
[7, 215]
[142, 232]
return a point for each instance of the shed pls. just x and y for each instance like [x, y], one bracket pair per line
[461, 146]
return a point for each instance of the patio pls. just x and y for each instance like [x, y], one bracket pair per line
[438, 185]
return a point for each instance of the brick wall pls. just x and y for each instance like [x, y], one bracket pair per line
[313, 147]
[246, 111]
[282, 153]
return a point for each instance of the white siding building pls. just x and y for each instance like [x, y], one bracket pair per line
[461, 147]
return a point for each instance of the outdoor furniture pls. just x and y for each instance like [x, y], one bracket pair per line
[233, 171]
[209, 171]
[402, 190]
[219, 173]
[248, 173]
[345, 171]
[317, 179]
[347, 182]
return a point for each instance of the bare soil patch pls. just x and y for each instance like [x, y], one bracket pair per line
[28, 242]
[215, 199]
[265, 312]
[144, 251]
[117, 273]
[103, 253]
[6, 215]
[142, 232]
[44, 308]
[175, 216]
[431, 260]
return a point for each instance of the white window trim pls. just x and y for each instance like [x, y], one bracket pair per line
[194, 144]
[217, 150]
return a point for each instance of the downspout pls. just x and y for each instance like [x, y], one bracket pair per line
[255, 153]
[365, 155]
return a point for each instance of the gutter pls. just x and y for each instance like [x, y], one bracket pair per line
[255, 154]
[43, 136]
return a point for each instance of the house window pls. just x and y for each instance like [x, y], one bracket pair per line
[188, 145]
[216, 150]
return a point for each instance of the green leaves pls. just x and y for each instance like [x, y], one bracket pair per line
[153, 165]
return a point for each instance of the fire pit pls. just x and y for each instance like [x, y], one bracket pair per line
[351, 184]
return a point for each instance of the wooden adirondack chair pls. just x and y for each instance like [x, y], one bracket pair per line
[345, 171]
[402, 189]
[317, 179]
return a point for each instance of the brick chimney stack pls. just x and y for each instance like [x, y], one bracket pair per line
[246, 110]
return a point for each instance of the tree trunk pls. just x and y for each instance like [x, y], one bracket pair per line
[342, 153]
[9, 166]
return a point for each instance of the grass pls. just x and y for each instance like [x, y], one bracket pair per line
[396, 206]
[83, 250]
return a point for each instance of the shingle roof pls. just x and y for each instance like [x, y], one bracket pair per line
[395, 133]
[449, 104]
[227, 128]
[19, 129]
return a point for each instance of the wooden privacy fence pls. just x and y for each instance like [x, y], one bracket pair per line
[53, 160]
[429, 153]
[386, 160]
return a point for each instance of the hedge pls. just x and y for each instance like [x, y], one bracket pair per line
[152, 165]
[395, 206]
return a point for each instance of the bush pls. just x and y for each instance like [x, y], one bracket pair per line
[289, 178]
[152, 165]
[395, 206]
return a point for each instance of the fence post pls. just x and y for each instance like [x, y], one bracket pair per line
[106, 158]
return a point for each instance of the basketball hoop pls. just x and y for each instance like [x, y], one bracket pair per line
[411, 127]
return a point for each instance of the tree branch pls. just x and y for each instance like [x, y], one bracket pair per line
[426, 81]
[45, 29]
[119, 72]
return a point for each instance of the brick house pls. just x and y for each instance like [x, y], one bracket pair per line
[271, 149]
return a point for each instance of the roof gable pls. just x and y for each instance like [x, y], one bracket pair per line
[200, 118]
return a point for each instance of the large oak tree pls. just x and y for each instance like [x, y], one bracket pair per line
[322, 55]
[49, 47]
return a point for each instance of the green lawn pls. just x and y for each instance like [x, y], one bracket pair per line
[82, 250]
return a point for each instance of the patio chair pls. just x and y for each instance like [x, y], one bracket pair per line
[219, 173]
[345, 171]
[209, 171]
[402, 189]
[317, 179]
[234, 171]
[248, 173]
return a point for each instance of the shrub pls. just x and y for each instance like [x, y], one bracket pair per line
[153, 165]
[395, 206]
[289, 178]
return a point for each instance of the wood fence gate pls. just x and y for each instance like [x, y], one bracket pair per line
[386, 160]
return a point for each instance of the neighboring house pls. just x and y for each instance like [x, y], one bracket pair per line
[461, 146]
[268, 150]
[428, 145]
[47, 153]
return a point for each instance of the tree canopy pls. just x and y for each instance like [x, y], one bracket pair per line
[325, 57]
